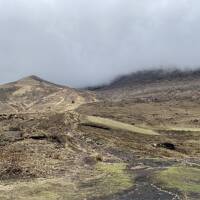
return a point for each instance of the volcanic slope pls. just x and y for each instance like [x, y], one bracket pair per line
[32, 94]
[154, 85]
[151, 98]
[121, 147]
[166, 102]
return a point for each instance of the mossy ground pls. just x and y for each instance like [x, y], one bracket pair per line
[104, 180]
[116, 178]
[184, 179]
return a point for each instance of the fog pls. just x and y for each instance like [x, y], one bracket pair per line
[89, 42]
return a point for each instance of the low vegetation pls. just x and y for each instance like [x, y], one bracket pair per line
[185, 179]
[116, 178]
[105, 179]
[112, 124]
[182, 129]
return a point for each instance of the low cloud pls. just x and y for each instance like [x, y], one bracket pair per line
[84, 42]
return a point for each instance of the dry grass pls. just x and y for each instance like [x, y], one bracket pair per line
[112, 124]
[182, 129]
[11, 163]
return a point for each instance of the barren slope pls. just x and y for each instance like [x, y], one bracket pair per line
[33, 94]
[154, 86]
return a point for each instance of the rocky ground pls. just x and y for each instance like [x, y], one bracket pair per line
[122, 149]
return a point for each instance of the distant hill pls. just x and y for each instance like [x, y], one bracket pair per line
[150, 76]
[153, 84]
[32, 94]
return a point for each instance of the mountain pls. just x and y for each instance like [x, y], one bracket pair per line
[137, 138]
[153, 85]
[152, 97]
[32, 94]
[152, 76]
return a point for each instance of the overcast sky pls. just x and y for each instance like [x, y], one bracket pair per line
[88, 42]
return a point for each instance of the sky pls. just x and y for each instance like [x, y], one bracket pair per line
[89, 42]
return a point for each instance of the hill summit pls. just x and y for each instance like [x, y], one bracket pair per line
[32, 93]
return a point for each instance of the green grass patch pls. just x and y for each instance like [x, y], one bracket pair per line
[116, 178]
[112, 124]
[185, 179]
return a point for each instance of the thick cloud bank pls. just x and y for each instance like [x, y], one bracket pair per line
[87, 42]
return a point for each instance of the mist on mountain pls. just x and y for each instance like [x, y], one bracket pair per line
[81, 43]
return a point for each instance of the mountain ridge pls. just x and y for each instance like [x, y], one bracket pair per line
[148, 76]
[153, 85]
